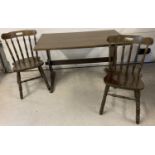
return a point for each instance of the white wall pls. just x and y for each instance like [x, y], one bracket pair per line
[85, 53]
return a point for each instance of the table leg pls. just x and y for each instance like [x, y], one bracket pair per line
[2, 63]
[52, 73]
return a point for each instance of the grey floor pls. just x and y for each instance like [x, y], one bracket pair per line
[76, 100]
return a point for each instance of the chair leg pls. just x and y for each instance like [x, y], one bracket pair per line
[44, 77]
[19, 84]
[104, 99]
[137, 95]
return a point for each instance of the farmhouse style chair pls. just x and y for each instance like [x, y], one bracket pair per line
[125, 72]
[20, 46]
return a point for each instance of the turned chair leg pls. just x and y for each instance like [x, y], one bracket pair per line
[104, 99]
[44, 77]
[19, 84]
[137, 95]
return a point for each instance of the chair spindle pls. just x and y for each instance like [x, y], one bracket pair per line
[15, 50]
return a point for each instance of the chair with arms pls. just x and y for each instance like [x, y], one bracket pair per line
[126, 74]
[20, 46]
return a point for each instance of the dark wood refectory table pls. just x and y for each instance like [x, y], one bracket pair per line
[74, 40]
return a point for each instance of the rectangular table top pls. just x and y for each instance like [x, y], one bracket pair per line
[58, 41]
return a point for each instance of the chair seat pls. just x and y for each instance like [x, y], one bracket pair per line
[125, 81]
[27, 64]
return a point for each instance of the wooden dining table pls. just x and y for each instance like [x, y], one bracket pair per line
[74, 40]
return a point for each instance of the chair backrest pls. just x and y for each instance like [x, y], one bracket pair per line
[128, 48]
[20, 44]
